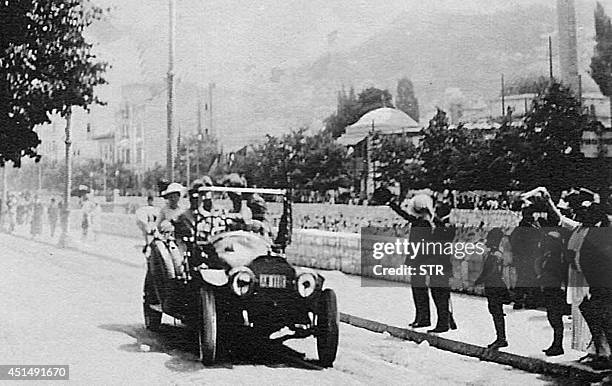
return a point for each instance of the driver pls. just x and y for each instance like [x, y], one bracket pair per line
[240, 214]
[259, 223]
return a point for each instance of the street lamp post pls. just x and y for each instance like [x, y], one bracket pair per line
[65, 237]
[188, 160]
[170, 106]
[200, 137]
[104, 172]
[4, 186]
[40, 178]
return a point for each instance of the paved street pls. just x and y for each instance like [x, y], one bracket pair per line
[84, 309]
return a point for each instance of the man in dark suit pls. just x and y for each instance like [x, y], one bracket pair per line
[424, 227]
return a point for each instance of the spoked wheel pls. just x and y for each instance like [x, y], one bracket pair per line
[207, 326]
[152, 318]
[327, 328]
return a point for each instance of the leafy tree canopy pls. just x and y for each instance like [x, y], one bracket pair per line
[406, 99]
[46, 66]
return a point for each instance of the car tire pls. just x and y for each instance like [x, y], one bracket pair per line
[207, 326]
[152, 318]
[327, 328]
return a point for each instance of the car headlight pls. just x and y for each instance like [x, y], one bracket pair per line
[306, 284]
[242, 281]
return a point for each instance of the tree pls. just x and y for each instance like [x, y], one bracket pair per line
[406, 100]
[532, 84]
[453, 158]
[545, 150]
[373, 98]
[201, 156]
[601, 62]
[46, 66]
[347, 113]
[397, 160]
[313, 162]
[153, 176]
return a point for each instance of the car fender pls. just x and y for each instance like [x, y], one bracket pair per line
[216, 277]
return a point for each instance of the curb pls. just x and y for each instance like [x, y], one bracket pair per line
[566, 370]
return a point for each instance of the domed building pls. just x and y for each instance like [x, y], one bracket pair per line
[358, 138]
[384, 120]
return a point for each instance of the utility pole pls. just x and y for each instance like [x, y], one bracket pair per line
[170, 107]
[580, 91]
[40, 178]
[211, 86]
[65, 237]
[4, 186]
[550, 60]
[503, 96]
[104, 172]
[199, 135]
[188, 159]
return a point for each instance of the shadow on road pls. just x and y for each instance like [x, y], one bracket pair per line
[180, 343]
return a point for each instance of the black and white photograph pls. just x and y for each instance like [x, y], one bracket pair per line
[307, 192]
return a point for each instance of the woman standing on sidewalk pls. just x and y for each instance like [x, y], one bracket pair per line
[86, 216]
[37, 217]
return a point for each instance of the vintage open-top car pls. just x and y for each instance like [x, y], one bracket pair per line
[238, 283]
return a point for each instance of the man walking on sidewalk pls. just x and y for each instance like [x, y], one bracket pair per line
[52, 216]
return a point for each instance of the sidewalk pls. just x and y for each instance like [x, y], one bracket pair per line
[390, 308]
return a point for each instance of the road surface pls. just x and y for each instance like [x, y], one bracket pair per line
[84, 309]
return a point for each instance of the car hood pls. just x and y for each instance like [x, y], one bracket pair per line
[240, 248]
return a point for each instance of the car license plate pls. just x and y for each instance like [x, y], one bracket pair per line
[272, 281]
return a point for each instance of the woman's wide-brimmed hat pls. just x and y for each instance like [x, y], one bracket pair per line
[420, 205]
[174, 187]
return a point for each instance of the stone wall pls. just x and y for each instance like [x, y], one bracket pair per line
[342, 251]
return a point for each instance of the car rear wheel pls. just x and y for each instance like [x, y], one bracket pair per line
[327, 328]
[152, 318]
[207, 326]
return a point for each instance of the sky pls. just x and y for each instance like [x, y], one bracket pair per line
[236, 43]
[230, 40]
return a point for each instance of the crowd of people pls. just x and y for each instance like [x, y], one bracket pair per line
[459, 200]
[561, 257]
[31, 211]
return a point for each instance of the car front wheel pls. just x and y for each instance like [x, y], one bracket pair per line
[327, 328]
[207, 326]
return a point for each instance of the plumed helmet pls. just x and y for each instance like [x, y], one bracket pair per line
[258, 207]
[207, 181]
[234, 180]
[195, 185]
